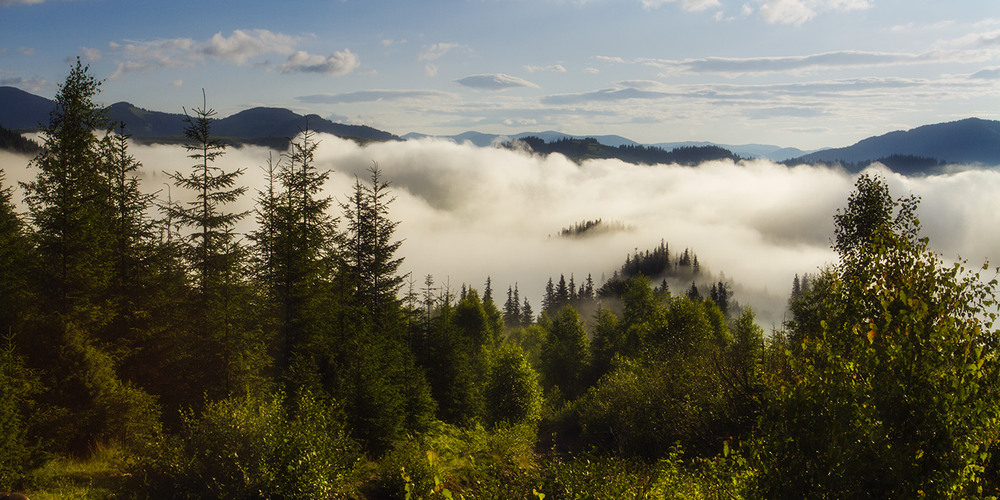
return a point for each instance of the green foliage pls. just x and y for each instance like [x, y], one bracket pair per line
[369, 263]
[512, 393]
[896, 392]
[469, 462]
[17, 385]
[294, 252]
[265, 446]
[15, 252]
[565, 355]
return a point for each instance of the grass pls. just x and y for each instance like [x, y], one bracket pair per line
[96, 477]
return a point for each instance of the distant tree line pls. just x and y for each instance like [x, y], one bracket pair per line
[588, 148]
[13, 141]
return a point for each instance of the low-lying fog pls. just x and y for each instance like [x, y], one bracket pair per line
[467, 212]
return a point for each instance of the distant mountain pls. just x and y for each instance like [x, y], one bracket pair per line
[22, 110]
[143, 123]
[969, 141]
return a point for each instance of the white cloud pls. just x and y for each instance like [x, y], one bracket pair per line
[556, 68]
[610, 59]
[688, 5]
[786, 11]
[375, 95]
[177, 83]
[336, 64]
[437, 50]
[495, 81]
[797, 12]
[35, 84]
[242, 45]
[17, 2]
[28, 51]
[431, 70]
[90, 54]
[827, 60]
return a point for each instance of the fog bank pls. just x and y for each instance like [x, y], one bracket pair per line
[467, 213]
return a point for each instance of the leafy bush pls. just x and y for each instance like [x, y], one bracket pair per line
[513, 394]
[255, 447]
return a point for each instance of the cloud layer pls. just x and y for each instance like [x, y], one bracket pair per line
[467, 213]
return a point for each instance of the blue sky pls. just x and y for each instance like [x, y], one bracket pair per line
[802, 73]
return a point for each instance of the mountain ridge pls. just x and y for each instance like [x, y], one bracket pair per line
[921, 150]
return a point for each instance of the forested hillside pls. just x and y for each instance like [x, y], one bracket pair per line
[149, 346]
[579, 150]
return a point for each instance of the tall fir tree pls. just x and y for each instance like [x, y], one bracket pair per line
[295, 245]
[213, 255]
[72, 214]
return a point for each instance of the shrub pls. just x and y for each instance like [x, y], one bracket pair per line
[255, 447]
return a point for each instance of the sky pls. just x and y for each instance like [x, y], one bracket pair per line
[794, 73]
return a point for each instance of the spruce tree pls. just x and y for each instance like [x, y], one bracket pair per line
[295, 245]
[72, 214]
[213, 255]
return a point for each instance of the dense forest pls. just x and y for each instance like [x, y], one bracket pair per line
[579, 150]
[149, 351]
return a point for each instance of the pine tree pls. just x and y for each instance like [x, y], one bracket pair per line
[369, 259]
[213, 256]
[68, 203]
[527, 315]
[295, 246]
[73, 216]
[15, 254]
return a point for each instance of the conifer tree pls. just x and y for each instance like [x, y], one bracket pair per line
[369, 259]
[213, 255]
[15, 252]
[68, 203]
[73, 224]
[295, 245]
[527, 315]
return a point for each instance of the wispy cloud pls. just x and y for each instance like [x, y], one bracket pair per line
[814, 90]
[826, 60]
[239, 47]
[797, 12]
[610, 59]
[20, 2]
[32, 84]
[555, 68]
[688, 5]
[336, 64]
[374, 96]
[90, 54]
[438, 50]
[495, 81]
[604, 95]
